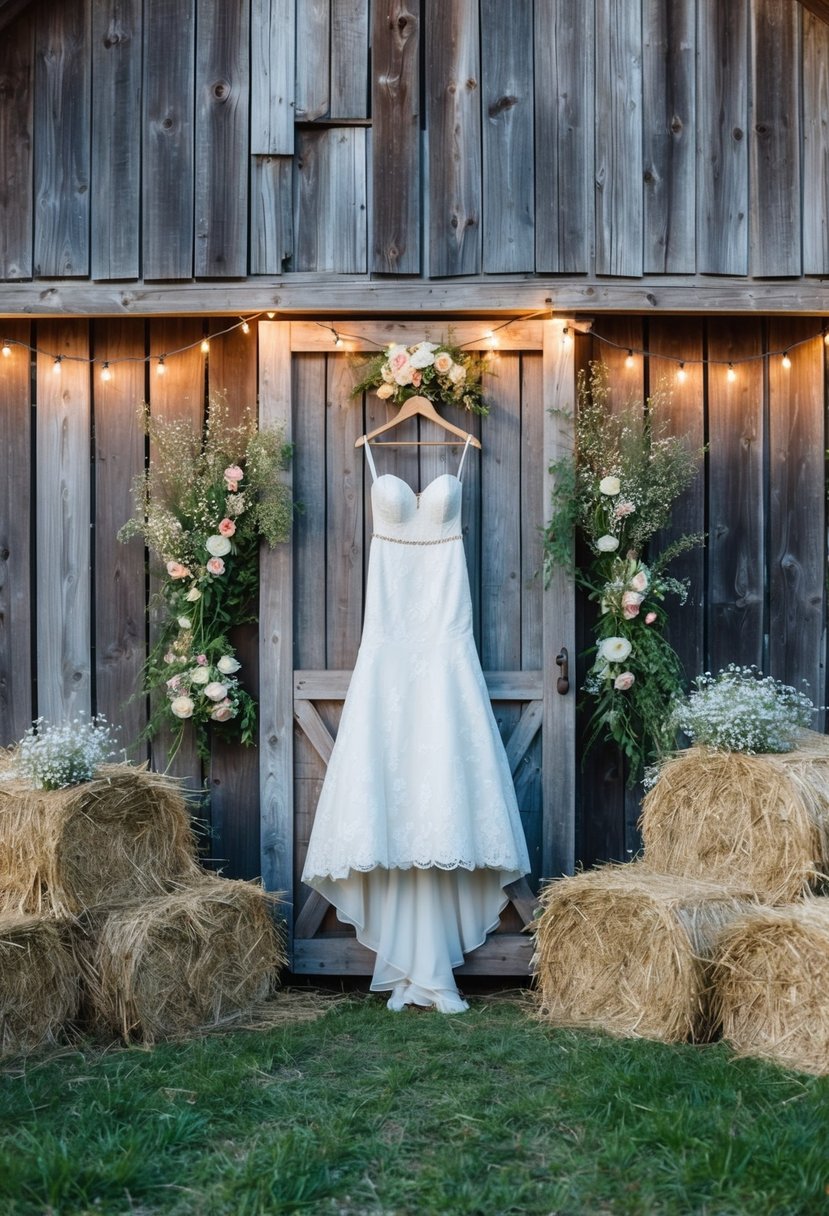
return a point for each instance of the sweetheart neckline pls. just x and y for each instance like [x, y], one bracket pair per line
[417, 493]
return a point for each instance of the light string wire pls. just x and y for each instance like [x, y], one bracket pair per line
[489, 336]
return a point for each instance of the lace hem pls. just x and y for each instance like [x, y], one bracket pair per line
[511, 864]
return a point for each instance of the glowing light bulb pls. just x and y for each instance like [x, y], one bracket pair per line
[245, 327]
[492, 339]
[160, 369]
[106, 374]
[786, 362]
[826, 336]
[271, 316]
[681, 374]
[629, 361]
[731, 375]
[56, 364]
[337, 339]
[7, 350]
[205, 346]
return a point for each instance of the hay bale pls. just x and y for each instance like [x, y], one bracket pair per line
[200, 956]
[39, 986]
[760, 822]
[125, 834]
[772, 975]
[626, 950]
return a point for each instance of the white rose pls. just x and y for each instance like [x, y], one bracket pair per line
[216, 691]
[182, 707]
[614, 650]
[223, 711]
[227, 665]
[610, 486]
[385, 391]
[184, 622]
[192, 595]
[443, 362]
[639, 582]
[199, 675]
[394, 348]
[387, 373]
[217, 545]
[421, 356]
[607, 544]
[404, 374]
[457, 373]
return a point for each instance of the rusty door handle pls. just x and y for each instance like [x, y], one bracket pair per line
[563, 681]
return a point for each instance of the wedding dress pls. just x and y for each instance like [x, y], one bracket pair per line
[417, 830]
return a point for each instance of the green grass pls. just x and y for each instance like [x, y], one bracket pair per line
[363, 1111]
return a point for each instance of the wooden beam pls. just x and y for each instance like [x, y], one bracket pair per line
[333, 685]
[325, 295]
[501, 954]
[819, 7]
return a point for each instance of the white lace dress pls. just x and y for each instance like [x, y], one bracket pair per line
[417, 830]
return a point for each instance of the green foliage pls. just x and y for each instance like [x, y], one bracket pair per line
[372, 1113]
[441, 371]
[617, 491]
[202, 507]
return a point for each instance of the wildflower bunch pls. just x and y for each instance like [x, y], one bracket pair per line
[437, 370]
[207, 498]
[51, 757]
[741, 710]
[616, 492]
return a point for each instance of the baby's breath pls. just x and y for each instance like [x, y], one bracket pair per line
[51, 756]
[741, 710]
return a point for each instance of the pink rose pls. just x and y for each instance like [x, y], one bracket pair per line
[227, 527]
[417, 378]
[399, 360]
[176, 570]
[624, 681]
[623, 508]
[174, 682]
[169, 657]
[232, 486]
[216, 566]
[650, 618]
[201, 659]
[216, 691]
[630, 604]
[233, 473]
[639, 582]
[222, 712]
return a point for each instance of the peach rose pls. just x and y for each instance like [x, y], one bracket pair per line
[227, 527]
[222, 712]
[443, 362]
[385, 391]
[216, 566]
[624, 681]
[182, 707]
[650, 618]
[176, 570]
[233, 473]
[630, 604]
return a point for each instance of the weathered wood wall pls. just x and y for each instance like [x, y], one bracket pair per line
[143, 140]
[73, 630]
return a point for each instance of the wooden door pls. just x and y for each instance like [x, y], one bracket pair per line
[519, 627]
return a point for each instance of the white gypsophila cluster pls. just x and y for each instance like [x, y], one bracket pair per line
[741, 710]
[52, 757]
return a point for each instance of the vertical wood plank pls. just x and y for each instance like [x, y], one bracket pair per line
[797, 505]
[313, 59]
[179, 393]
[349, 58]
[276, 642]
[17, 50]
[618, 65]
[395, 108]
[344, 479]
[222, 115]
[722, 110]
[62, 119]
[234, 770]
[500, 521]
[169, 100]
[63, 519]
[117, 36]
[774, 152]
[271, 213]
[532, 491]
[669, 122]
[736, 506]
[15, 535]
[815, 145]
[330, 201]
[507, 99]
[564, 134]
[120, 608]
[310, 522]
[559, 626]
[272, 77]
[454, 126]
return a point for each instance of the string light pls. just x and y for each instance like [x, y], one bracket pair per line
[629, 361]
[106, 374]
[337, 339]
[7, 350]
[492, 339]
[205, 346]
[731, 375]
[245, 327]
[785, 362]
[160, 369]
[826, 336]
[681, 374]
[56, 364]
[271, 315]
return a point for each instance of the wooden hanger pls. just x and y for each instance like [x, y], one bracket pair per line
[419, 407]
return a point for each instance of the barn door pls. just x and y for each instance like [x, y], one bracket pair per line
[520, 628]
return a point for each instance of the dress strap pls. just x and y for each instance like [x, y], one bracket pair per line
[367, 447]
[463, 456]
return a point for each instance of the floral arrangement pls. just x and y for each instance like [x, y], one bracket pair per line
[741, 710]
[202, 507]
[437, 370]
[51, 757]
[616, 492]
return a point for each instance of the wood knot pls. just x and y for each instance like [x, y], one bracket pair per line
[221, 89]
[167, 124]
[503, 103]
[737, 133]
[676, 125]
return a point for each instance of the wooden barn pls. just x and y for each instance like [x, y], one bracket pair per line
[644, 182]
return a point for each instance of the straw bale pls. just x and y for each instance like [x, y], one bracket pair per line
[626, 950]
[125, 834]
[755, 821]
[39, 986]
[772, 975]
[202, 955]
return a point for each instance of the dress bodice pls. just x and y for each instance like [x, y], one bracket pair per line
[433, 514]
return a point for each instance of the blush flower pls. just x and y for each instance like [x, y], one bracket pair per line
[640, 580]
[200, 675]
[176, 570]
[182, 707]
[215, 691]
[215, 565]
[650, 617]
[222, 712]
[227, 527]
[233, 473]
[623, 508]
[443, 362]
[631, 601]
[624, 681]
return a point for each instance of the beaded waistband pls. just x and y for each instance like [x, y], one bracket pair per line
[397, 540]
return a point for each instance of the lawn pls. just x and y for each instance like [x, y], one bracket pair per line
[363, 1111]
